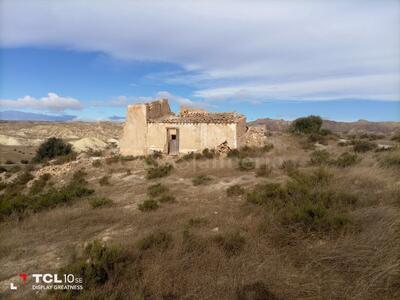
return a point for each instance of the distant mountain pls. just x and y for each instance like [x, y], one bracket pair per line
[14, 115]
[358, 126]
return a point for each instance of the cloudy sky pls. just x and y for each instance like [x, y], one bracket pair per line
[278, 59]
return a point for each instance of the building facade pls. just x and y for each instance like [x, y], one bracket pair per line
[153, 127]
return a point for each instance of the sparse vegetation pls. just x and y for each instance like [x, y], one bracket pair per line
[235, 190]
[320, 157]
[346, 159]
[148, 205]
[248, 151]
[391, 160]
[98, 202]
[232, 243]
[156, 190]
[158, 240]
[159, 171]
[65, 158]
[246, 164]
[321, 214]
[52, 148]
[306, 125]
[12, 202]
[39, 184]
[363, 146]
[201, 179]
[264, 170]
[105, 180]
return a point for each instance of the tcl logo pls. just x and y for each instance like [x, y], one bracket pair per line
[46, 278]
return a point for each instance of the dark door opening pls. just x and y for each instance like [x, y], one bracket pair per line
[173, 141]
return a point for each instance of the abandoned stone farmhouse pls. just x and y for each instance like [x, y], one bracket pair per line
[153, 127]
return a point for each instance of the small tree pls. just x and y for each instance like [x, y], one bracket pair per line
[52, 148]
[307, 125]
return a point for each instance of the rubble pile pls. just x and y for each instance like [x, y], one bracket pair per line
[223, 148]
[255, 136]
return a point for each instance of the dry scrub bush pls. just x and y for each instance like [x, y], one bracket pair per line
[201, 180]
[235, 190]
[98, 202]
[391, 160]
[364, 146]
[246, 164]
[264, 170]
[13, 202]
[148, 205]
[247, 151]
[232, 243]
[105, 180]
[306, 200]
[158, 240]
[159, 171]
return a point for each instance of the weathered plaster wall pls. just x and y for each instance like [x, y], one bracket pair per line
[192, 137]
[134, 137]
[240, 132]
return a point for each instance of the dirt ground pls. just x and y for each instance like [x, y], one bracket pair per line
[361, 262]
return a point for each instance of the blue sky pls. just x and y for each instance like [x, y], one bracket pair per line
[271, 59]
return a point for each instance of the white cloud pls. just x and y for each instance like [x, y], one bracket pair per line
[180, 100]
[51, 103]
[221, 45]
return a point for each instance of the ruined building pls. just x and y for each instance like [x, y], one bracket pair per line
[153, 127]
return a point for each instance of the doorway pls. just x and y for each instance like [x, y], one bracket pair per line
[173, 141]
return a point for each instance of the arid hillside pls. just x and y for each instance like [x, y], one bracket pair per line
[286, 217]
[342, 127]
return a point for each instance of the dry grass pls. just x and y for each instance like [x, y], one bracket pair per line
[210, 245]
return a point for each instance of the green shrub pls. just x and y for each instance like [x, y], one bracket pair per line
[159, 171]
[363, 146]
[232, 243]
[246, 164]
[98, 202]
[156, 190]
[105, 180]
[201, 179]
[264, 170]
[235, 190]
[346, 159]
[320, 157]
[52, 148]
[264, 193]
[148, 205]
[306, 125]
[158, 240]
